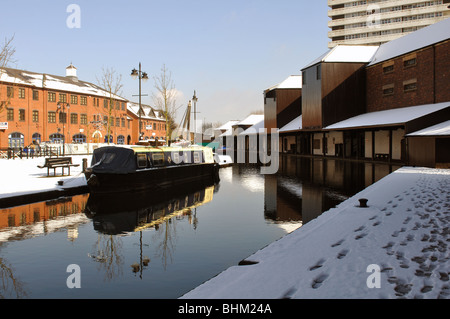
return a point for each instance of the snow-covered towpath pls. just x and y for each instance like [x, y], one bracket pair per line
[397, 247]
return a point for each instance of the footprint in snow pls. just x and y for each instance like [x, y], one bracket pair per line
[289, 293]
[360, 236]
[342, 254]
[317, 265]
[317, 282]
[395, 233]
[338, 243]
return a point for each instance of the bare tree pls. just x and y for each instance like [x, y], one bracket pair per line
[165, 99]
[111, 82]
[7, 52]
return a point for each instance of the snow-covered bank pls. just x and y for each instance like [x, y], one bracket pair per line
[399, 244]
[23, 177]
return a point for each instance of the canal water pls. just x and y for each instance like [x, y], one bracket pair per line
[164, 245]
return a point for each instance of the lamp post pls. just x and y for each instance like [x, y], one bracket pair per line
[142, 76]
[195, 99]
[61, 106]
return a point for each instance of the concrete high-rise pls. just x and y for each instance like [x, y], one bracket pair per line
[374, 22]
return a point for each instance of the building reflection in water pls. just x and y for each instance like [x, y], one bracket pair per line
[305, 187]
[41, 218]
[32, 220]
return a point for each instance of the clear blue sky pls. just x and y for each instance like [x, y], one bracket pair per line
[228, 51]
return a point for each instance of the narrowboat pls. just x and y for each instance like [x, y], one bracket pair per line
[136, 168]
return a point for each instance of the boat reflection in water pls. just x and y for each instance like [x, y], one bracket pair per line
[132, 212]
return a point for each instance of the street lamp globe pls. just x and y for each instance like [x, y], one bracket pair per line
[134, 73]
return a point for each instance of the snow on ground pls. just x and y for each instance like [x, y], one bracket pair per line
[398, 246]
[22, 176]
[404, 233]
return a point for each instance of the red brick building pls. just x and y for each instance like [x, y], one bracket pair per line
[413, 78]
[38, 107]
[153, 124]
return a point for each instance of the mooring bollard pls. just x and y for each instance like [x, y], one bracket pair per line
[363, 202]
[84, 164]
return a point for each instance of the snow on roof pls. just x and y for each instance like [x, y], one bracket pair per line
[292, 82]
[347, 53]
[148, 111]
[252, 119]
[254, 129]
[295, 124]
[228, 132]
[435, 130]
[53, 82]
[434, 33]
[228, 125]
[389, 117]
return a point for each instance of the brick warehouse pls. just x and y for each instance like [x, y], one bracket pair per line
[36, 107]
[391, 104]
[420, 77]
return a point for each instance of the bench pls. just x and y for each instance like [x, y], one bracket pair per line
[55, 162]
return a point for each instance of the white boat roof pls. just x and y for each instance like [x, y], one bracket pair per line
[441, 129]
[434, 33]
[388, 117]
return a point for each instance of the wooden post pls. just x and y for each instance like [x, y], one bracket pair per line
[390, 146]
[373, 145]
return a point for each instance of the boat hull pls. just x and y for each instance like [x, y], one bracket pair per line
[151, 179]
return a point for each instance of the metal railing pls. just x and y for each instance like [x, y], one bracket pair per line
[25, 152]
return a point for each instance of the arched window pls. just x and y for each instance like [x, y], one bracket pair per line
[120, 139]
[97, 136]
[36, 138]
[79, 138]
[15, 140]
[57, 138]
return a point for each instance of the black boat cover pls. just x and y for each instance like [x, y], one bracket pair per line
[113, 159]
